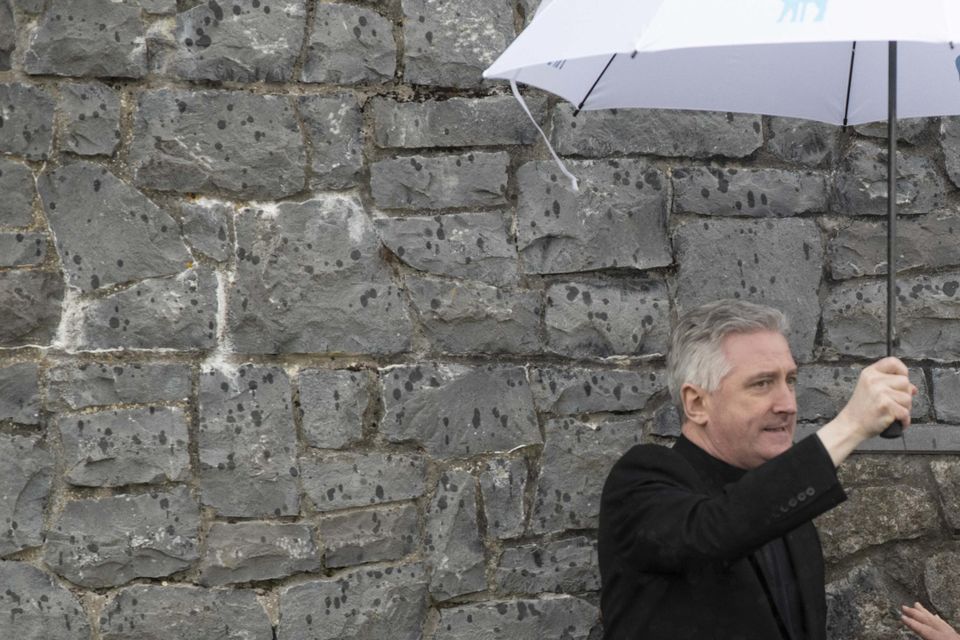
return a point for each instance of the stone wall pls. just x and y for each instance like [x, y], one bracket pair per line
[302, 335]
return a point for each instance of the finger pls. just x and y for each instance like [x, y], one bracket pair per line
[917, 627]
[891, 365]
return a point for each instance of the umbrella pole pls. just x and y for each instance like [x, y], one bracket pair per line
[895, 430]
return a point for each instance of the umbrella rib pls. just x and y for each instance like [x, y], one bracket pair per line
[594, 86]
[846, 106]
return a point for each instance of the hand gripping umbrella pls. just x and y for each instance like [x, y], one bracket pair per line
[843, 62]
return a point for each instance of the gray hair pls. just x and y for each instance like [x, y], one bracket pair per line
[696, 356]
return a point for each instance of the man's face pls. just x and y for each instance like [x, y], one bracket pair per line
[752, 416]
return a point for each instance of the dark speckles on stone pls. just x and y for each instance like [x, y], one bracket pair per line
[476, 418]
[94, 282]
[572, 293]
[221, 124]
[217, 11]
[950, 288]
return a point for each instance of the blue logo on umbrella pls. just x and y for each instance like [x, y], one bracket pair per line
[797, 10]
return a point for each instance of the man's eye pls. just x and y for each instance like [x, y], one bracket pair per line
[761, 383]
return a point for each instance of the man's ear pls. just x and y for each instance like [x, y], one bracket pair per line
[694, 403]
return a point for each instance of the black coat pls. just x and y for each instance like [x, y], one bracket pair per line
[677, 528]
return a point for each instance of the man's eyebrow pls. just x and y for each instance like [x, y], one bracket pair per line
[771, 373]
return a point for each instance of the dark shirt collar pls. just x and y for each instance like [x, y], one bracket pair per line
[714, 471]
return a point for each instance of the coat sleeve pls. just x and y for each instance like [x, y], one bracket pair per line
[657, 517]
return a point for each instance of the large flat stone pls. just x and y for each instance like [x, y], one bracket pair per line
[32, 307]
[363, 604]
[19, 189]
[946, 394]
[27, 120]
[39, 608]
[475, 246]
[456, 410]
[862, 603]
[673, 134]
[92, 115]
[757, 193]
[450, 43]
[8, 34]
[248, 442]
[946, 473]
[475, 179]
[772, 262]
[803, 142]
[349, 45]
[243, 41]
[950, 143]
[125, 446]
[561, 566]
[159, 313]
[579, 390]
[497, 120]
[184, 612]
[601, 320]
[26, 476]
[503, 484]
[72, 386]
[377, 534]
[343, 299]
[252, 551]
[520, 619]
[577, 457]
[860, 182]
[854, 317]
[106, 232]
[105, 542]
[454, 550]
[88, 38]
[939, 578]
[245, 145]
[344, 480]
[332, 406]
[334, 129]
[20, 393]
[473, 318]
[616, 220]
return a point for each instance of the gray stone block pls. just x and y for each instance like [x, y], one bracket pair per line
[521, 619]
[860, 183]
[71, 386]
[454, 550]
[860, 248]
[349, 45]
[243, 41]
[909, 130]
[8, 34]
[184, 612]
[946, 473]
[756, 193]
[457, 122]
[946, 394]
[106, 232]
[601, 320]
[332, 405]
[342, 300]
[503, 484]
[667, 422]
[862, 604]
[206, 227]
[334, 128]
[248, 442]
[579, 390]
[252, 551]
[105, 542]
[19, 189]
[940, 579]
[854, 317]
[822, 391]
[577, 457]
[344, 480]
[22, 249]
[561, 566]
[693, 134]
[20, 393]
[31, 310]
[40, 609]
[616, 220]
[473, 318]
[476, 179]
[362, 604]
[454, 410]
[950, 143]
[772, 262]
[26, 475]
[451, 43]
[161, 44]
[803, 142]
[70, 40]
[245, 145]
[370, 535]
[866, 519]
[160, 313]
[91, 118]
[125, 446]
[474, 246]
[27, 120]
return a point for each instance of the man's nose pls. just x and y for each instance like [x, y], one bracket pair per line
[786, 399]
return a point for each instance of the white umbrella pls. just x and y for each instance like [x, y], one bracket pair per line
[844, 62]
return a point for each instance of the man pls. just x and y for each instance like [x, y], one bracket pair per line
[712, 538]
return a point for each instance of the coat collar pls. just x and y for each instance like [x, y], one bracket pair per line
[713, 471]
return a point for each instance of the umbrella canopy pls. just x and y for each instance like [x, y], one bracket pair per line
[843, 62]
